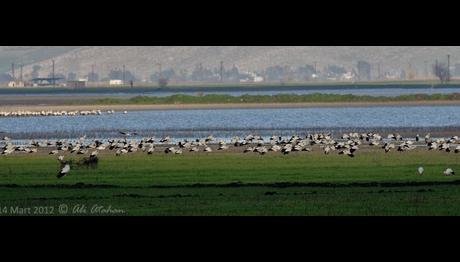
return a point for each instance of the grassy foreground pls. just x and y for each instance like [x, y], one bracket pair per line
[235, 184]
[281, 98]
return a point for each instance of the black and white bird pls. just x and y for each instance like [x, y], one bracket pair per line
[347, 152]
[428, 138]
[150, 150]
[64, 171]
[449, 172]
[128, 133]
[165, 140]
[457, 150]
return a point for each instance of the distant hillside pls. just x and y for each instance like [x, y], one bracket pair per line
[28, 54]
[143, 60]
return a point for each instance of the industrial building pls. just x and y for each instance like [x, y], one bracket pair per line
[16, 84]
[116, 82]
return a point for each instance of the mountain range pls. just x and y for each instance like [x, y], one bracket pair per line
[143, 60]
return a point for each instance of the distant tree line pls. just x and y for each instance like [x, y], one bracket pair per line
[441, 71]
[202, 74]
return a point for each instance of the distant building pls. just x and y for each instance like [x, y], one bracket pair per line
[252, 77]
[348, 76]
[46, 81]
[116, 82]
[76, 84]
[15, 84]
[258, 79]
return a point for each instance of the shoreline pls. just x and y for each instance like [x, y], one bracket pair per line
[144, 107]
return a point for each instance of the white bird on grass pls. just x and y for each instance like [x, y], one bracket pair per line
[420, 170]
[449, 172]
[64, 171]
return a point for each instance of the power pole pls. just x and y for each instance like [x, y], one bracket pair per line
[436, 70]
[221, 71]
[436, 67]
[20, 77]
[53, 75]
[448, 68]
[426, 69]
[12, 72]
[92, 73]
[124, 74]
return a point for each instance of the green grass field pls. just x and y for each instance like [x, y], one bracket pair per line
[372, 183]
[282, 98]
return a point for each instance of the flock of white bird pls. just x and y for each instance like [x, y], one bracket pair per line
[347, 144]
[28, 113]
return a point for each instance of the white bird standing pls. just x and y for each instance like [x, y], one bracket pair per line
[421, 170]
[150, 151]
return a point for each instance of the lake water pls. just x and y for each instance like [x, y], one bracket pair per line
[225, 123]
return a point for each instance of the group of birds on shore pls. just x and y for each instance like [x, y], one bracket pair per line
[28, 113]
[348, 144]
